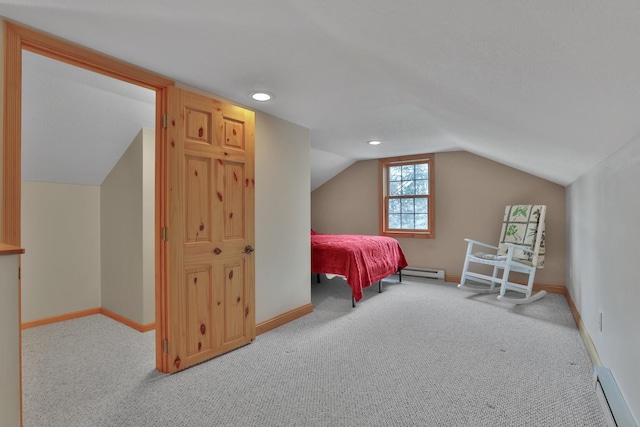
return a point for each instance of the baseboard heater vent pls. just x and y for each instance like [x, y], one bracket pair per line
[611, 399]
[423, 272]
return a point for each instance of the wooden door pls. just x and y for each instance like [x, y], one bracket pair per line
[207, 305]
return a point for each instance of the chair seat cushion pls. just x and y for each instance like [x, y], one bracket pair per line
[496, 259]
[492, 257]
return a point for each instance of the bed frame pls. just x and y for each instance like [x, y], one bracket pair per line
[353, 299]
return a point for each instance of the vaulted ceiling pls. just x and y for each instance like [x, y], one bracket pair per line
[548, 87]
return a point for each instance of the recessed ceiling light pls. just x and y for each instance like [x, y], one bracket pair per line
[374, 142]
[261, 96]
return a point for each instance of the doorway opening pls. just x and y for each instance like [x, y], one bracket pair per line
[18, 39]
[87, 195]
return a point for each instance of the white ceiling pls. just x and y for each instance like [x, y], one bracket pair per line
[548, 87]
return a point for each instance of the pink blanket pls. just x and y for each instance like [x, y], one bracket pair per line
[363, 260]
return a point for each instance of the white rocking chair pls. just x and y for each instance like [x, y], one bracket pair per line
[521, 249]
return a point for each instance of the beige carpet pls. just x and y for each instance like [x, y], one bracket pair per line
[420, 353]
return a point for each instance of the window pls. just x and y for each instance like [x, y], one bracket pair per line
[407, 196]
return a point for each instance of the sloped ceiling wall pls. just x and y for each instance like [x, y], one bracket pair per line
[76, 124]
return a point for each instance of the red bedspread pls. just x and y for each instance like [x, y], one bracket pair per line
[363, 260]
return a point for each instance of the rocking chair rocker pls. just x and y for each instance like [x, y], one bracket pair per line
[521, 249]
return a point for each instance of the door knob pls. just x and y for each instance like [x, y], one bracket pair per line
[248, 249]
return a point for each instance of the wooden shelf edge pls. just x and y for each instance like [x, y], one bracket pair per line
[6, 249]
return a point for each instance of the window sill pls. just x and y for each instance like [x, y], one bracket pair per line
[408, 234]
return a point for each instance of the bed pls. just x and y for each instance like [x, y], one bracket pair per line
[361, 260]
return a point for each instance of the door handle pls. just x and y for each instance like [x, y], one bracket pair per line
[248, 249]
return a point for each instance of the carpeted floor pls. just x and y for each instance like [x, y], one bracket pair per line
[422, 353]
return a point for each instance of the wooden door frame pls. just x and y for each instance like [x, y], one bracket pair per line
[18, 37]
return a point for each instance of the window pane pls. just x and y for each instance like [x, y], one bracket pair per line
[421, 205]
[406, 193]
[407, 173]
[407, 221]
[408, 188]
[395, 188]
[395, 173]
[395, 206]
[407, 205]
[394, 221]
[422, 171]
[422, 187]
[422, 222]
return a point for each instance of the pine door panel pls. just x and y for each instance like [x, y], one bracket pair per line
[198, 125]
[234, 302]
[199, 290]
[198, 218]
[233, 133]
[234, 179]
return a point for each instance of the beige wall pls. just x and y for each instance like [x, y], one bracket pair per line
[471, 193]
[61, 228]
[283, 253]
[127, 245]
[603, 208]
[91, 246]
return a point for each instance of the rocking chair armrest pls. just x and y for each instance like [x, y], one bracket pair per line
[522, 248]
[475, 242]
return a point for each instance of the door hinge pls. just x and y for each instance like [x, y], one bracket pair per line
[165, 346]
[165, 119]
[19, 273]
[165, 234]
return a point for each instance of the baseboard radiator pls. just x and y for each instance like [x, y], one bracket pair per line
[611, 399]
[423, 272]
